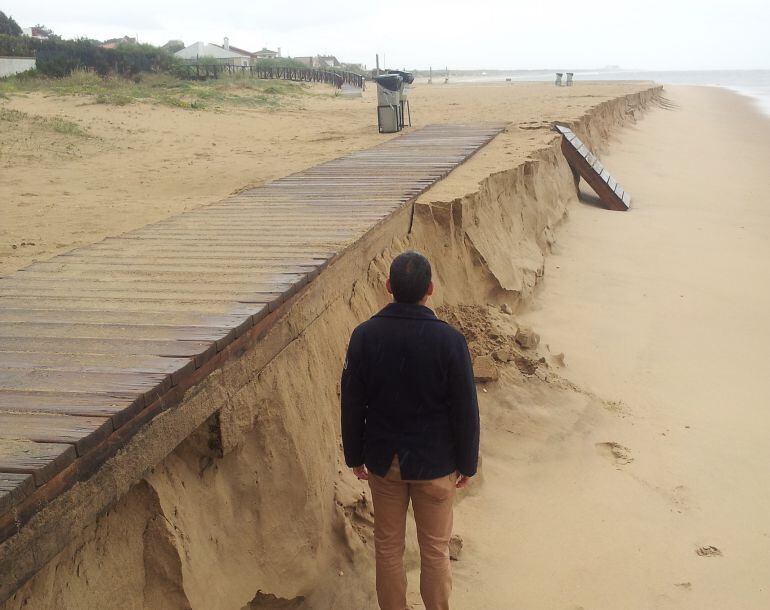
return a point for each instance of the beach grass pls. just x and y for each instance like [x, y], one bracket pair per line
[165, 89]
[56, 124]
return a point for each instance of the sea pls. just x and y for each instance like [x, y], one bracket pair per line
[751, 83]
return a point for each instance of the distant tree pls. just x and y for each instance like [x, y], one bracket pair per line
[8, 25]
[172, 46]
[41, 30]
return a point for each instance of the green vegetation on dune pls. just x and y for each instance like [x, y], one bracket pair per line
[163, 88]
[57, 124]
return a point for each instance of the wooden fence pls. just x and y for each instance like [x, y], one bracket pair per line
[308, 75]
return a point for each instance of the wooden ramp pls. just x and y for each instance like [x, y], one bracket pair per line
[96, 342]
[586, 165]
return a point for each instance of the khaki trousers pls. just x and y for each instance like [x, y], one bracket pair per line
[432, 504]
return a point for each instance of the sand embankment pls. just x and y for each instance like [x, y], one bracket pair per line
[254, 502]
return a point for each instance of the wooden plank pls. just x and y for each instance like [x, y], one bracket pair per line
[209, 284]
[115, 363]
[92, 362]
[200, 350]
[41, 460]
[120, 244]
[257, 270]
[13, 489]
[258, 294]
[121, 318]
[35, 330]
[141, 288]
[191, 264]
[120, 279]
[81, 432]
[149, 385]
[118, 407]
[99, 303]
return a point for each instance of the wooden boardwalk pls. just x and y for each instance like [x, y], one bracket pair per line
[96, 342]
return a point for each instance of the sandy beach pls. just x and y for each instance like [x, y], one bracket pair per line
[144, 162]
[623, 458]
[648, 488]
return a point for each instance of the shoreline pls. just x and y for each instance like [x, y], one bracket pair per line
[760, 101]
[758, 91]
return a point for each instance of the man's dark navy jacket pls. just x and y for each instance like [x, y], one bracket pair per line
[407, 389]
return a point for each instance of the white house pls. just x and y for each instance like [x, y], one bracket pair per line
[224, 54]
[36, 31]
[267, 53]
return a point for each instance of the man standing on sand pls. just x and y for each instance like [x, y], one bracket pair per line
[410, 426]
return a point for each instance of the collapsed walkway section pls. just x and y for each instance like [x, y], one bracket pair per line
[96, 343]
[585, 164]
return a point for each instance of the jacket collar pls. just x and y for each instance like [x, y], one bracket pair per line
[407, 310]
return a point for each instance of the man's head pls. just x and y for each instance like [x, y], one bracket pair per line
[410, 278]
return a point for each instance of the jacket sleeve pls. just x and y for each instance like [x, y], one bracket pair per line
[464, 408]
[353, 401]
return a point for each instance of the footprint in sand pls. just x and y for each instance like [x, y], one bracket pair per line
[616, 452]
[708, 551]
[680, 499]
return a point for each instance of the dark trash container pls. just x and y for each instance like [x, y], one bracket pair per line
[389, 111]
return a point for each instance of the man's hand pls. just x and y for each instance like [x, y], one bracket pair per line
[361, 472]
[462, 481]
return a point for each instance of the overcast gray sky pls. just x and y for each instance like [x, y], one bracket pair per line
[651, 34]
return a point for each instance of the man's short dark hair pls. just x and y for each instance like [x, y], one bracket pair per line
[410, 276]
